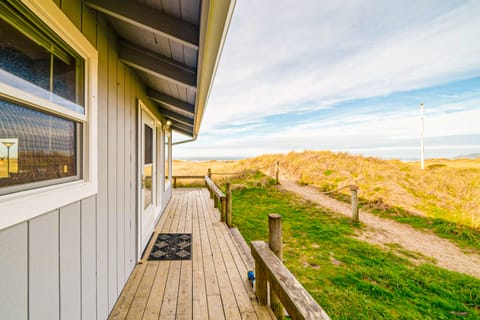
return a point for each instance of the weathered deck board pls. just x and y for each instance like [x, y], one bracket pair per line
[210, 286]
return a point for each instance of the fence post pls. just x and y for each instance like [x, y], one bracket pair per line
[223, 212]
[277, 171]
[209, 174]
[228, 204]
[355, 215]
[260, 284]
[275, 244]
[174, 182]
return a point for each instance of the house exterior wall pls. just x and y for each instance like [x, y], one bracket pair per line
[73, 262]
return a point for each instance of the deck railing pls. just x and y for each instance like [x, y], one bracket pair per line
[185, 177]
[285, 290]
[224, 199]
[270, 272]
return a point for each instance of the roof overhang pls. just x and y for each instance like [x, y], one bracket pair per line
[175, 49]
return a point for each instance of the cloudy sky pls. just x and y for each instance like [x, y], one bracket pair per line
[345, 76]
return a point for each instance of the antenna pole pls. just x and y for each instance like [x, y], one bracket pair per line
[422, 151]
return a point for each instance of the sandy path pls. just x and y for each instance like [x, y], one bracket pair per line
[383, 231]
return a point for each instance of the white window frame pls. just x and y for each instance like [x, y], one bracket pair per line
[24, 205]
[167, 156]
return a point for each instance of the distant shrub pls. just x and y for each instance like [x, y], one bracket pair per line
[436, 166]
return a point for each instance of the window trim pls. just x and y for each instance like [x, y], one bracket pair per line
[24, 205]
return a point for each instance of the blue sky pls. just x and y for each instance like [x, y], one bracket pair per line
[345, 76]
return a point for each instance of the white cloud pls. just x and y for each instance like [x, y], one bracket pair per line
[280, 55]
[283, 56]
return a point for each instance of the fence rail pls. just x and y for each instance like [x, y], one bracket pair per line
[293, 296]
[184, 177]
[218, 196]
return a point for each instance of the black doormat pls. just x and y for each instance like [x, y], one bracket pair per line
[172, 246]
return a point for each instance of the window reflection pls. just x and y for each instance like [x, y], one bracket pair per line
[49, 72]
[35, 146]
[147, 166]
[167, 161]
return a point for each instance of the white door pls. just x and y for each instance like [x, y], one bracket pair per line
[147, 176]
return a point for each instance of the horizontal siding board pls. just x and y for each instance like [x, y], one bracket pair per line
[13, 272]
[70, 278]
[44, 298]
[88, 253]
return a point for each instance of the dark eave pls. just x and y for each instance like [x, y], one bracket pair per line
[157, 65]
[171, 103]
[174, 49]
[148, 19]
[182, 131]
[175, 117]
[181, 126]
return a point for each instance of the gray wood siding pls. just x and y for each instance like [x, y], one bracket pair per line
[43, 267]
[73, 262]
[88, 237]
[70, 263]
[13, 272]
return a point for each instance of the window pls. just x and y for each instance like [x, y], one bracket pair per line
[48, 128]
[36, 144]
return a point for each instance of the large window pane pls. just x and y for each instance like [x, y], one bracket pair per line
[36, 64]
[167, 161]
[147, 166]
[35, 146]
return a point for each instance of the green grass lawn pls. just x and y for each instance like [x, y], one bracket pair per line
[349, 278]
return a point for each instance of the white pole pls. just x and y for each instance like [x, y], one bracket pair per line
[422, 160]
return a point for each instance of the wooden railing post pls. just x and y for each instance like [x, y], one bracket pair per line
[174, 182]
[223, 212]
[355, 215]
[260, 284]
[228, 204]
[275, 244]
[209, 174]
[277, 171]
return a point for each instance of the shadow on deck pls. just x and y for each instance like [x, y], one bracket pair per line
[213, 285]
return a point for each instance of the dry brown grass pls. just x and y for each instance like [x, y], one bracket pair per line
[446, 189]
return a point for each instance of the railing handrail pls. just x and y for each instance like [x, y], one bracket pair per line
[293, 296]
[188, 177]
[212, 186]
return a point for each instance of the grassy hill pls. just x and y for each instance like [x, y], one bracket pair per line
[446, 189]
[444, 198]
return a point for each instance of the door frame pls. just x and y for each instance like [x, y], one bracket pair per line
[143, 108]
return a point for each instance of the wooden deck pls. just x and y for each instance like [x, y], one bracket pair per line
[212, 285]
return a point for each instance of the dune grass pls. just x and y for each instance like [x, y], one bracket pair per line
[446, 189]
[444, 198]
[351, 279]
